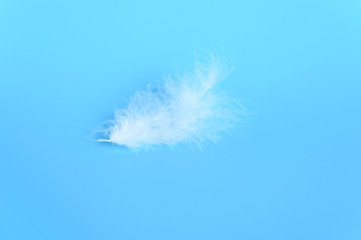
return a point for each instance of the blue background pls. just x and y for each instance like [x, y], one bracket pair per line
[294, 173]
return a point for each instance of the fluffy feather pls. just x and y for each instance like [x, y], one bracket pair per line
[191, 108]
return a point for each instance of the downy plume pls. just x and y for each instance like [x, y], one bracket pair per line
[191, 108]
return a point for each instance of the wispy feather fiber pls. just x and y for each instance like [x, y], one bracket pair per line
[190, 108]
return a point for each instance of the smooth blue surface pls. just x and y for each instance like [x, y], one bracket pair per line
[295, 173]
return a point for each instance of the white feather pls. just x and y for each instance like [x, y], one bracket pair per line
[189, 109]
